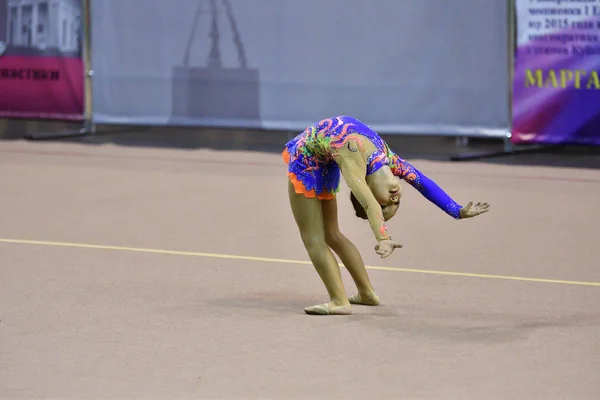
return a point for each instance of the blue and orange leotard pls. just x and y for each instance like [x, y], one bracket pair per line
[345, 145]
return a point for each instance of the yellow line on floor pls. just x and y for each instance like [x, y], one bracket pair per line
[286, 261]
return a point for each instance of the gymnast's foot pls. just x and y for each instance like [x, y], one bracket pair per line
[329, 309]
[365, 299]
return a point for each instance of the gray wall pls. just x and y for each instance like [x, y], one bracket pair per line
[408, 66]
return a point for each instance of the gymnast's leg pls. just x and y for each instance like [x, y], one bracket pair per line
[308, 216]
[349, 255]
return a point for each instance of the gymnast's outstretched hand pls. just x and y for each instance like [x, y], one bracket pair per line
[470, 210]
[386, 247]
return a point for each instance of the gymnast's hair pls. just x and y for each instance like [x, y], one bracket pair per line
[358, 208]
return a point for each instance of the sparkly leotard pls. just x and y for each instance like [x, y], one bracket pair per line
[313, 159]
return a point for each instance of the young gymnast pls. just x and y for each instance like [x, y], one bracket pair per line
[315, 159]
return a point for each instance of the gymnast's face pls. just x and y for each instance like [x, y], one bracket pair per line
[388, 194]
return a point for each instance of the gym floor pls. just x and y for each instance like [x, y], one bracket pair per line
[144, 272]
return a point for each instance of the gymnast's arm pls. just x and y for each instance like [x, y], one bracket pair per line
[353, 166]
[428, 188]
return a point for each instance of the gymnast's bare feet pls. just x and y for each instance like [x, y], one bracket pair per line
[329, 309]
[365, 299]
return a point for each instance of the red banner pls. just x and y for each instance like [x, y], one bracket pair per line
[41, 65]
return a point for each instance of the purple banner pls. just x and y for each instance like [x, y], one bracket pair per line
[41, 66]
[556, 87]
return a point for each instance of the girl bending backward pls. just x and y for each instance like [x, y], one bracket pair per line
[346, 146]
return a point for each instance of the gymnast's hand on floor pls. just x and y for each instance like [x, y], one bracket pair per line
[470, 210]
[386, 247]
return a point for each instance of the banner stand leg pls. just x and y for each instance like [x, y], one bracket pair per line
[508, 150]
[88, 127]
[59, 135]
[88, 131]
